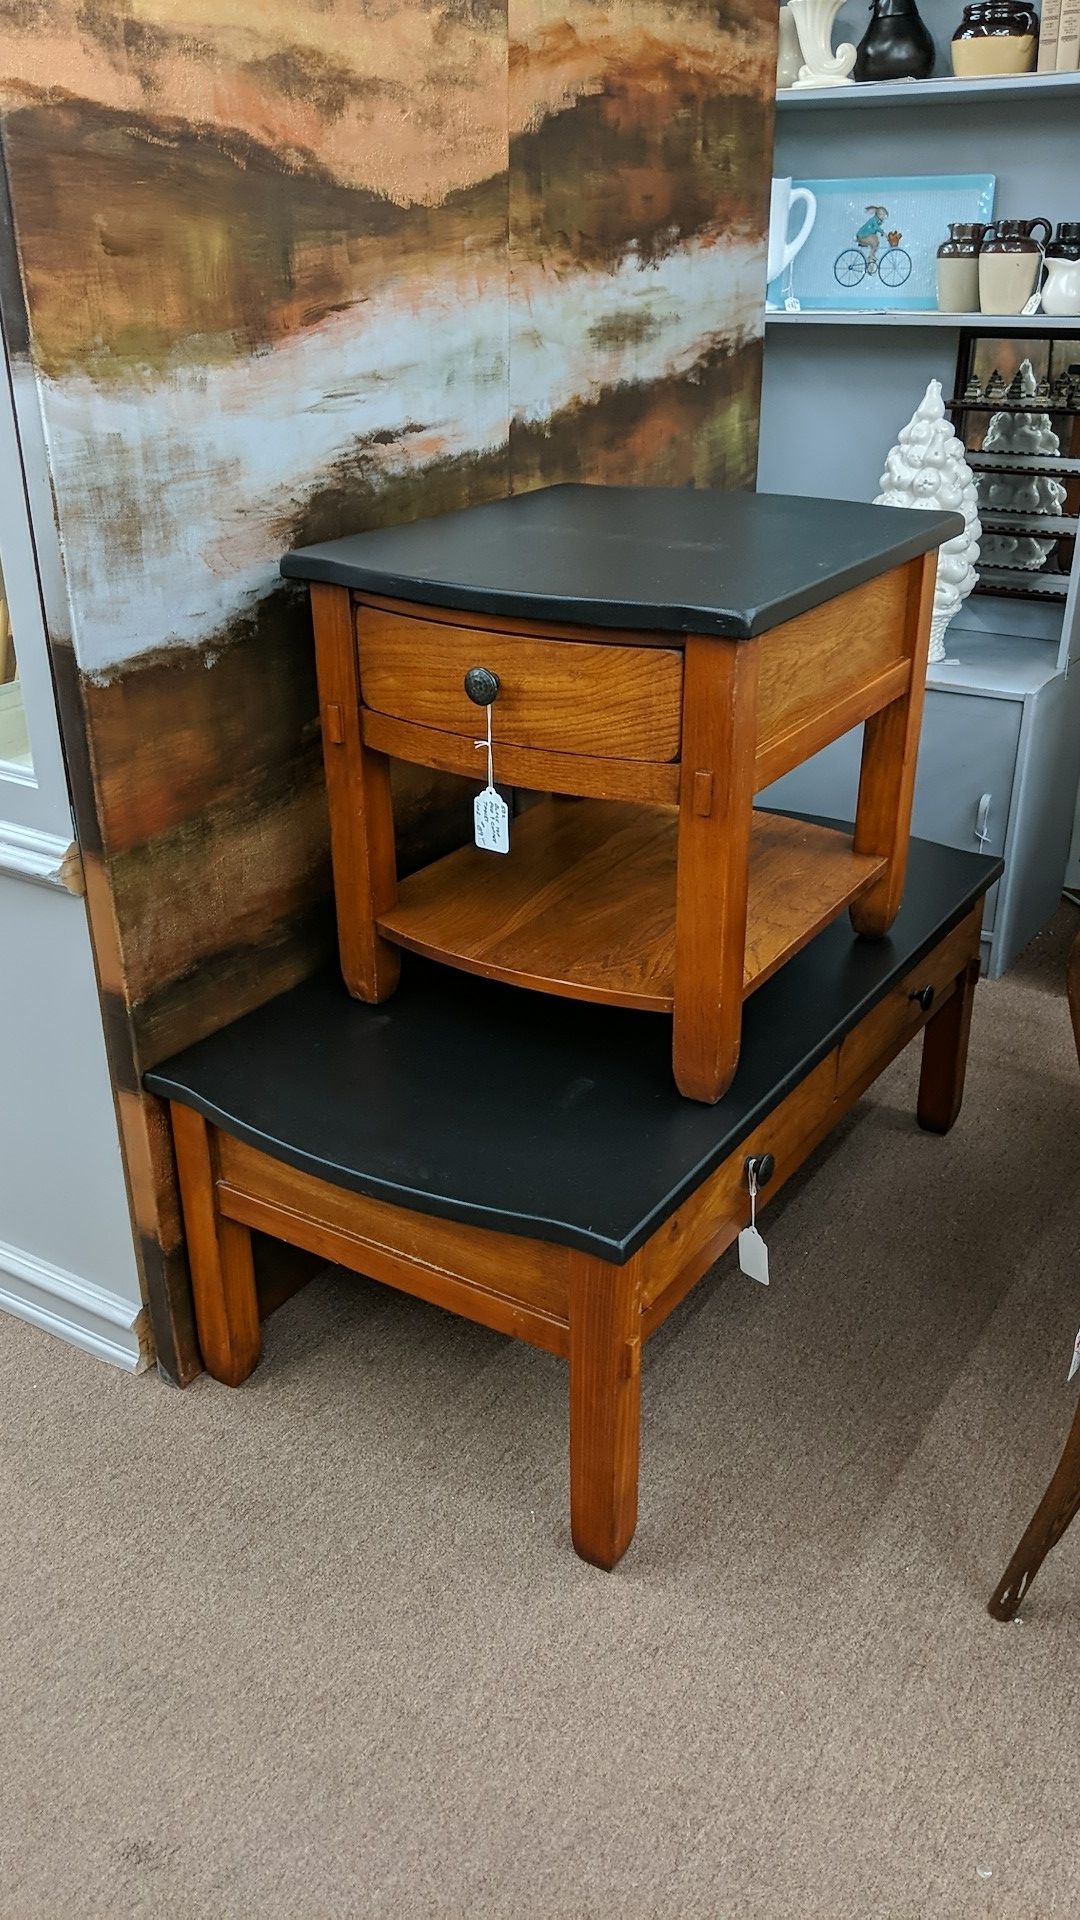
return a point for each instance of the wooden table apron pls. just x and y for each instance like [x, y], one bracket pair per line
[591, 1311]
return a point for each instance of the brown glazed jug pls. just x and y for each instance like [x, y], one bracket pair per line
[995, 36]
[1009, 264]
[958, 268]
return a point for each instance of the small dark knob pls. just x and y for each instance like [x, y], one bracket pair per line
[482, 686]
[924, 996]
[762, 1166]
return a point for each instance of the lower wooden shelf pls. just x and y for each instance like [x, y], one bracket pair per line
[584, 903]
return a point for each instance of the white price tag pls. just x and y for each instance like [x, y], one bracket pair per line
[1033, 305]
[491, 822]
[491, 815]
[754, 1255]
[1075, 1367]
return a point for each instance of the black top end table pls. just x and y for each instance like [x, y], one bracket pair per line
[658, 655]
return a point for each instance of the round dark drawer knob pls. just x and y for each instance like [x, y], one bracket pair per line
[924, 996]
[762, 1166]
[482, 686]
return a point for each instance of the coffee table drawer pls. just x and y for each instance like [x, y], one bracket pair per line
[564, 696]
[907, 1007]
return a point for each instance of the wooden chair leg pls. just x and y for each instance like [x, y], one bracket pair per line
[219, 1256]
[361, 807]
[605, 1406]
[716, 804]
[887, 774]
[944, 1056]
[1057, 1508]
[1061, 1501]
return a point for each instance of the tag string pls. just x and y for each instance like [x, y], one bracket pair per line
[751, 1175]
[487, 743]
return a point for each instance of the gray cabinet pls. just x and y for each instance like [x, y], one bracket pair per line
[998, 767]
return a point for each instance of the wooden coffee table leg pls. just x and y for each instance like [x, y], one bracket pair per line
[219, 1256]
[716, 803]
[605, 1406]
[1057, 1508]
[887, 774]
[944, 1057]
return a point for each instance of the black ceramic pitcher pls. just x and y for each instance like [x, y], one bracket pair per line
[896, 44]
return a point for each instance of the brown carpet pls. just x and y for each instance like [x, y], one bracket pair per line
[321, 1648]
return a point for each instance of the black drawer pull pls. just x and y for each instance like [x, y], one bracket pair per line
[482, 686]
[761, 1166]
[924, 996]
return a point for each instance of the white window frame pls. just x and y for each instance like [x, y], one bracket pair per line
[35, 811]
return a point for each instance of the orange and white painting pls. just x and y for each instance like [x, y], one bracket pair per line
[296, 267]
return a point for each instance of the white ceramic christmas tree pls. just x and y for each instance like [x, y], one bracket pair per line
[926, 468]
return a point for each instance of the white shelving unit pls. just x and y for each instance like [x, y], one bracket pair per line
[1009, 88]
[1000, 754]
[1039, 323]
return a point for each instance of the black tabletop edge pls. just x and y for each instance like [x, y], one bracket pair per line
[353, 561]
[174, 1079]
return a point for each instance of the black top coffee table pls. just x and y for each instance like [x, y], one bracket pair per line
[529, 1164]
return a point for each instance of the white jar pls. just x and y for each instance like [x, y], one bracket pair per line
[788, 51]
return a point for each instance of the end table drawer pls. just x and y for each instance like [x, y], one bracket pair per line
[564, 696]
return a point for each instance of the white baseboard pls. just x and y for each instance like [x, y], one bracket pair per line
[46, 857]
[77, 1310]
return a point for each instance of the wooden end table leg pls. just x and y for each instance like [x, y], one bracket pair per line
[361, 808]
[219, 1256]
[605, 1406]
[1057, 1508]
[944, 1056]
[887, 774]
[716, 805]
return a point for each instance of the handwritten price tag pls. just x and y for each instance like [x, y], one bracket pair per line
[491, 822]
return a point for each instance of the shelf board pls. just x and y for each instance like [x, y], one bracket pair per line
[995, 323]
[584, 903]
[1048, 525]
[1009, 406]
[1058, 464]
[944, 90]
[1020, 583]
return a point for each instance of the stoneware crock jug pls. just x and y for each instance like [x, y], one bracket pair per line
[782, 251]
[1061, 290]
[958, 267]
[1009, 264]
[995, 36]
[896, 44]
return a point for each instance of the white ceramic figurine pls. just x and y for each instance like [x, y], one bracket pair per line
[927, 468]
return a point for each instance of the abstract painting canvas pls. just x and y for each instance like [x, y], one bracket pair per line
[305, 266]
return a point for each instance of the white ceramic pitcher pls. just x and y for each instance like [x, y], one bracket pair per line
[782, 251]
